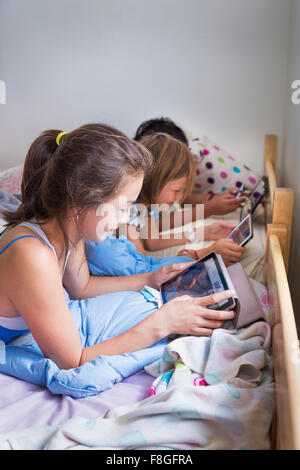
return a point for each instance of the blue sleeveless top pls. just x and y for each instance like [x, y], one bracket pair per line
[14, 327]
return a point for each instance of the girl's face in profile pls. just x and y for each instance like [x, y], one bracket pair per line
[172, 191]
[102, 221]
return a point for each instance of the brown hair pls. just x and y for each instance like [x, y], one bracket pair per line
[85, 170]
[172, 160]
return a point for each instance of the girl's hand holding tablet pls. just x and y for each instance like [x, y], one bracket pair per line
[190, 316]
[163, 274]
[230, 251]
[217, 230]
[225, 203]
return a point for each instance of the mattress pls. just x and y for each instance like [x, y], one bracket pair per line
[24, 405]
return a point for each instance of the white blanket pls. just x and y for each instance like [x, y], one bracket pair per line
[234, 411]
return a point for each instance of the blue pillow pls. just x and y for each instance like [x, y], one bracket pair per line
[119, 257]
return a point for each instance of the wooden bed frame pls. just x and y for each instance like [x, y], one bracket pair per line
[285, 433]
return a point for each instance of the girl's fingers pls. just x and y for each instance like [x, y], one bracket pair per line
[234, 247]
[174, 268]
[235, 254]
[218, 315]
[233, 259]
[179, 266]
[226, 224]
[229, 226]
[237, 201]
[211, 324]
[214, 298]
[235, 251]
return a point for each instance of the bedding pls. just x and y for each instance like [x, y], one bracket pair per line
[8, 201]
[24, 405]
[97, 319]
[119, 257]
[11, 179]
[232, 408]
[217, 170]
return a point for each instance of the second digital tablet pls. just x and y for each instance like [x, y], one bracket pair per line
[243, 232]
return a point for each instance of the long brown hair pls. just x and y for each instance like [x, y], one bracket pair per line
[172, 161]
[85, 170]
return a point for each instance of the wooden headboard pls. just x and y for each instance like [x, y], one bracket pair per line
[285, 344]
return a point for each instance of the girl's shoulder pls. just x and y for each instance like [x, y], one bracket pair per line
[12, 241]
[21, 259]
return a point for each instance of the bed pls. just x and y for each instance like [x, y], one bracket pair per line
[274, 225]
[18, 404]
[279, 210]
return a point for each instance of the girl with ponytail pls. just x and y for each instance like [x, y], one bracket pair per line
[79, 186]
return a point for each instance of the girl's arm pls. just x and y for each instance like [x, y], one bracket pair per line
[81, 285]
[221, 204]
[156, 241]
[153, 241]
[34, 286]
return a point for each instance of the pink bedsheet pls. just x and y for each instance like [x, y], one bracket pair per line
[24, 405]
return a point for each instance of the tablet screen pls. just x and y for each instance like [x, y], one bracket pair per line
[201, 279]
[241, 234]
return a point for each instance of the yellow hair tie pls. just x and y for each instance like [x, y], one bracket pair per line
[59, 136]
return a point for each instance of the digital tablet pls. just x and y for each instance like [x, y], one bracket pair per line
[254, 198]
[204, 277]
[240, 191]
[243, 232]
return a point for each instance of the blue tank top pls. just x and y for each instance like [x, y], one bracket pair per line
[14, 327]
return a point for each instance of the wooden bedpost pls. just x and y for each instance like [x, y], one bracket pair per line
[270, 151]
[270, 157]
[280, 203]
[285, 345]
[283, 215]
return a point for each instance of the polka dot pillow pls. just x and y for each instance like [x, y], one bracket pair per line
[11, 179]
[216, 170]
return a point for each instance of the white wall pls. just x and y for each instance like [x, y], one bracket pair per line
[291, 160]
[218, 67]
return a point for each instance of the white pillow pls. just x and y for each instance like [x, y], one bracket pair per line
[217, 170]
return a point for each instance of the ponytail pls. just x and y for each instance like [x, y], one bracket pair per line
[39, 154]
